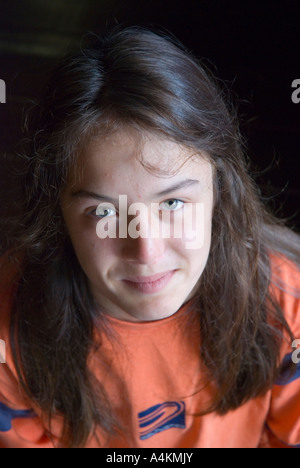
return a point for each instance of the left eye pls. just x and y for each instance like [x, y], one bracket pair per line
[172, 204]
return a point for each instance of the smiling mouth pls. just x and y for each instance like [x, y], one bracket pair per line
[150, 284]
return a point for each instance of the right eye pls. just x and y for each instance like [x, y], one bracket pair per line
[104, 210]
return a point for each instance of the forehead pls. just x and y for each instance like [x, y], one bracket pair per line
[131, 154]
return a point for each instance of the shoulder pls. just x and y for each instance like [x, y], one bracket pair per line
[285, 272]
[285, 287]
[285, 279]
[283, 424]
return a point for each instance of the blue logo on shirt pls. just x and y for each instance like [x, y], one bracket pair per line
[161, 417]
[7, 415]
[286, 377]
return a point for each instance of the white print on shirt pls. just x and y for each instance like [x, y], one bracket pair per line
[2, 352]
[188, 222]
[296, 354]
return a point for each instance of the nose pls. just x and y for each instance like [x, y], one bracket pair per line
[143, 250]
[147, 247]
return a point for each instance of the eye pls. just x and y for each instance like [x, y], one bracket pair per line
[104, 210]
[172, 205]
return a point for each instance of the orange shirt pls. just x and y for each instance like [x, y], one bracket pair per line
[156, 384]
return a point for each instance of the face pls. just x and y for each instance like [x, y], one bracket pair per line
[148, 276]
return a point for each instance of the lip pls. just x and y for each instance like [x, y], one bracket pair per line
[150, 284]
[147, 279]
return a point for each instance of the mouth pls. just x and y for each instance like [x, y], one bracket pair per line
[150, 284]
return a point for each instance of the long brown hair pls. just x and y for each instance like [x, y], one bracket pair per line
[141, 78]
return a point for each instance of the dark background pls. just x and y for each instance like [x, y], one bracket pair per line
[253, 46]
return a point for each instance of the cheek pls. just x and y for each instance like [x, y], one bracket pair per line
[195, 226]
[92, 253]
[195, 243]
[96, 254]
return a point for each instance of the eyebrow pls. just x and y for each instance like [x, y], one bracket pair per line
[180, 185]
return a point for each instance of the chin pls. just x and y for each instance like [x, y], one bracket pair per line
[157, 311]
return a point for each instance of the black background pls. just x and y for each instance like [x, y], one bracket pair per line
[253, 46]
